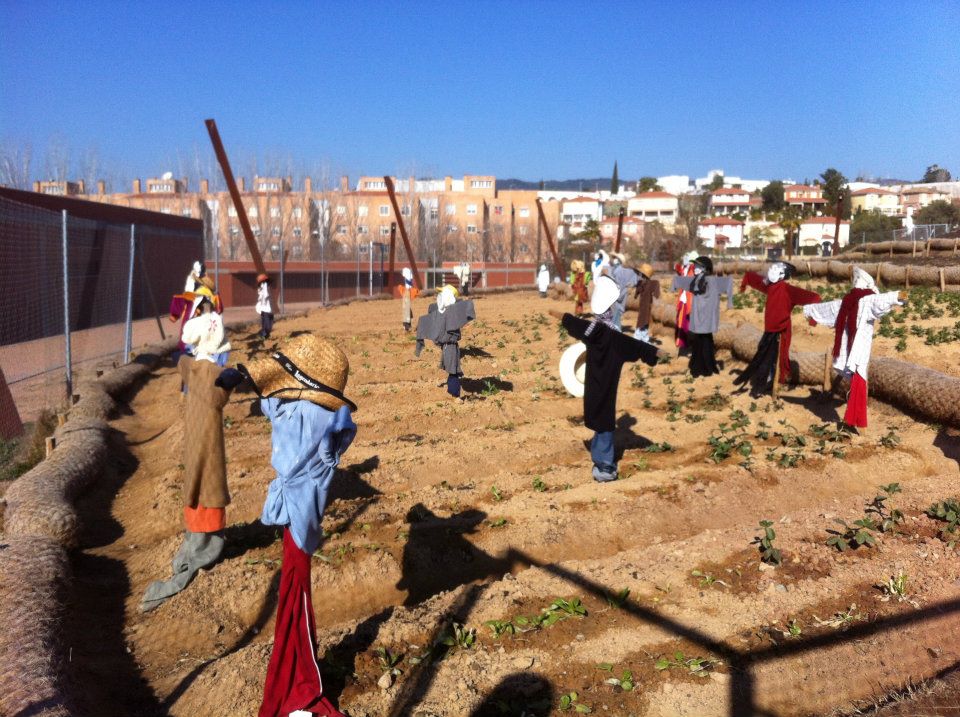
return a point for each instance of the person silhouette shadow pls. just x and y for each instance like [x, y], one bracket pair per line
[520, 694]
[437, 556]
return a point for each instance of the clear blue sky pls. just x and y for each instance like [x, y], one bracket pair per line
[519, 89]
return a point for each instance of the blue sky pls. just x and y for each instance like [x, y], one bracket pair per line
[519, 89]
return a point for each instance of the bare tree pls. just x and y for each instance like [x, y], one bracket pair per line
[56, 162]
[15, 164]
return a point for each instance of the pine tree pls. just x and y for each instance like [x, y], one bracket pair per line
[615, 180]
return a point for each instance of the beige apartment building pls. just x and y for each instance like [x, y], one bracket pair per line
[448, 219]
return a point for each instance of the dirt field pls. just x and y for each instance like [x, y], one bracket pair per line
[453, 521]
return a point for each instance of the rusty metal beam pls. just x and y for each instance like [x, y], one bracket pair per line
[393, 253]
[403, 232]
[553, 249]
[836, 229]
[235, 196]
[620, 229]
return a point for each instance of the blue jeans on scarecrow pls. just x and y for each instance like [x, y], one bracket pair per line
[602, 453]
[618, 317]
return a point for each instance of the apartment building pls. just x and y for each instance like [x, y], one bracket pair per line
[633, 229]
[816, 232]
[654, 207]
[726, 201]
[721, 233]
[872, 199]
[804, 196]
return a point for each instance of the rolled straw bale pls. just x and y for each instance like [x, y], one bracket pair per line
[893, 274]
[559, 290]
[33, 573]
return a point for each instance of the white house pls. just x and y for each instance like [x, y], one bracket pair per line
[731, 182]
[654, 207]
[817, 231]
[804, 196]
[675, 183]
[875, 199]
[720, 233]
[576, 212]
[731, 201]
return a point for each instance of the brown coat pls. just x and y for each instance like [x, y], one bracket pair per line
[646, 291]
[204, 456]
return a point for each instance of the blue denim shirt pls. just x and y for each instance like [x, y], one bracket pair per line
[308, 441]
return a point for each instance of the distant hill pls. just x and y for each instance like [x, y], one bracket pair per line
[570, 185]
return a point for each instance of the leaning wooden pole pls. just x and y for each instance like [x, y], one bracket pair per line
[235, 196]
[619, 230]
[546, 230]
[403, 231]
[836, 227]
[393, 255]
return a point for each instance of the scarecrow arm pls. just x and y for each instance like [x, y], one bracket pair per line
[229, 379]
[754, 281]
[577, 328]
[802, 297]
[682, 282]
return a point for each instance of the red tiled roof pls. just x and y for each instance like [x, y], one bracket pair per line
[824, 220]
[721, 221]
[725, 190]
[656, 195]
[730, 203]
[871, 190]
[801, 187]
[921, 190]
[581, 199]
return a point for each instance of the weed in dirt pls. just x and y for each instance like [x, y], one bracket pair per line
[716, 401]
[794, 629]
[706, 580]
[388, 661]
[769, 553]
[539, 485]
[890, 439]
[497, 494]
[697, 666]
[831, 440]
[19, 455]
[895, 588]
[624, 683]
[888, 516]
[694, 417]
[658, 448]
[619, 599]
[948, 512]
[641, 464]
[853, 536]
[570, 701]
[731, 438]
[498, 523]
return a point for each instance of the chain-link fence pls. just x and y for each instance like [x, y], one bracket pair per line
[82, 287]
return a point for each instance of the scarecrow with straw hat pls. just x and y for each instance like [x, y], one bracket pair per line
[607, 349]
[852, 319]
[442, 324]
[645, 292]
[205, 493]
[408, 292]
[705, 313]
[190, 304]
[771, 362]
[579, 281]
[301, 388]
[263, 306]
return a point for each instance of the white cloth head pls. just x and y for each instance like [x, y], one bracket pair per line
[605, 293]
[600, 261]
[697, 270]
[862, 280]
[776, 272]
[205, 333]
[445, 298]
[197, 267]
[543, 267]
[689, 257]
[406, 273]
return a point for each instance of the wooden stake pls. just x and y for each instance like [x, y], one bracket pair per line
[49, 444]
[776, 373]
[827, 372]
[943, 281]
[906, 275]
[61, 418]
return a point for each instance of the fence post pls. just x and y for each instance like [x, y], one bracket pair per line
[128, 328]
[68, 358]
[370, 268]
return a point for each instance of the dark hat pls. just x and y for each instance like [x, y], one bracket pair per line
[789, 270]
[706, 262]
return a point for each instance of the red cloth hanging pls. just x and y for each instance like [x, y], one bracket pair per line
[847, 319]
[856, 413]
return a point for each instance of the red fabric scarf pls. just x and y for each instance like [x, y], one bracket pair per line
[847, 319]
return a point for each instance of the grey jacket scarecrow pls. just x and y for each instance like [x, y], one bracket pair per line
[444, 330]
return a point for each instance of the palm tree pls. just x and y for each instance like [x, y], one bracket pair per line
[790, 221]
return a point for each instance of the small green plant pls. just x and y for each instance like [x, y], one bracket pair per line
[716, 401]
[840, 619]
[890, 439]
[569, 701]
[619, 599]
[794, 629]
[539, 485]
[497, 495]
[388, 661]
[697, 666]
[769, 553]
[658, 448]
[888, 516]
[501, 627]
[895, 587]
[624, 683]
[706, 579]
[489, 388]
[948, 512]
[641, 464]
[498, 523]
[852, 537]
[457, 635]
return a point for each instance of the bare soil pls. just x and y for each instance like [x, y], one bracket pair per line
[447, 515]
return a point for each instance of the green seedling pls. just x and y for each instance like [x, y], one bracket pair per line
[619, 599]
[498, 523]
[539, 485]
[891, 439]
[852, 537]
[768, 552]
[946, 511]
[388, 660]
[641, 464]
[896, 588]
[706, 579]
[889, 517]
[569, 701]
[794, 629]
[501, 627]
[658, 448]
[497, 495]
[457, 635]
[624, 683]
[697, 666]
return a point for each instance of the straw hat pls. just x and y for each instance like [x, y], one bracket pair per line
[573, 369]
[208, 282]
[308, 368]
[576, 266]
[646, 270]
[262, 278]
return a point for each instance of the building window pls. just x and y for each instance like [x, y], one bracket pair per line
[165, 210]
[524, 249]
[451, 209]
[267, 186]
[297, 232]
[297, 212]
[234, 231]
[256, 231]
[231, 211]
[362, 210]
[384, 231]
[472, 209]
[374, 185]
[405, 210]
[274, 212]
[384, 210]
[434, 213]
[341, 228]
[297, 250]
[451, 228]
[481, 183]
[275, 231]
[362, 229]
[523, 231]
[498, 209]
[524, 211]
[471, 228]
[341, 209]
[252, 211]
